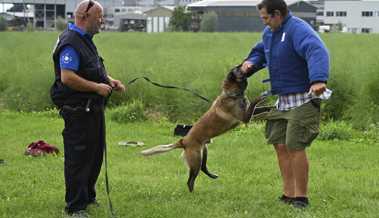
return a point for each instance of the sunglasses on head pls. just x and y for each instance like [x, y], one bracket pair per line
[89, 6]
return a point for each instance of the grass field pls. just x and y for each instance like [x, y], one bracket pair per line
[198, 61]
[344, 179]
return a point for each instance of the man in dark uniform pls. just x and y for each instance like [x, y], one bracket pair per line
[80, 91]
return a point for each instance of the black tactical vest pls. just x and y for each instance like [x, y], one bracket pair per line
[91, 68]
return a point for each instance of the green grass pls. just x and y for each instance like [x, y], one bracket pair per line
[344, 177]
[195, 61]
[344, 173]
[198, 61]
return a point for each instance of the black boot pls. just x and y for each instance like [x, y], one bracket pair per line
[300, 202]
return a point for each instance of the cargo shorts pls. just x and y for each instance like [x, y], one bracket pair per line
[296, 128]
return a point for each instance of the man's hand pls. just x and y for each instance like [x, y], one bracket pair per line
[246, 67]
[103, 89]
[116, 84]
[317, 88]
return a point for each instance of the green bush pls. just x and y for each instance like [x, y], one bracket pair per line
[131, 112]
[365, 109]
[60, 24]
[180, 20]
[372, 132]
[197, 61]
[363, 113]
[209, 22]
[3, 24]
[342, 97]
[336, 131]
[30, 27]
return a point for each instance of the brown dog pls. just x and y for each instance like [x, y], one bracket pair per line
[227, 111]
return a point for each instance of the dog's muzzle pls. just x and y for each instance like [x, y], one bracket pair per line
[237, 76]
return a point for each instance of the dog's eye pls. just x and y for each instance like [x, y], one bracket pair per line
[236, 72]
[231, 76]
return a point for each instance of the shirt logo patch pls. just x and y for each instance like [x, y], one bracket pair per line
[67, 58]
[283, 37]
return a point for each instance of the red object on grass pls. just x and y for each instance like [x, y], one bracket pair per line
[40, 148]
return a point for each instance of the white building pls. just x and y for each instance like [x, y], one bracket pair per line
[158, 19]
[353, 16]
[157, 2]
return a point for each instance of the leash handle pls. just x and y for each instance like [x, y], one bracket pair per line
[266, 93]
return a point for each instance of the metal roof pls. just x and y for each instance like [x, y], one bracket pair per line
[218, 3]
[214, 3]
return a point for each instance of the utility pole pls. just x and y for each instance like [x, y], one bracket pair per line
[24, 10]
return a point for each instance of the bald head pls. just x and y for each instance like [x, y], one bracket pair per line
[87, 7]
[89, 16]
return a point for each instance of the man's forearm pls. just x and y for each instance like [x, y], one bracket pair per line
[72, 80]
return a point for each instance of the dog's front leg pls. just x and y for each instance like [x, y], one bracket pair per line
[250, 109]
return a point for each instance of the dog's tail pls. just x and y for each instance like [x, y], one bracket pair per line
[162, 148]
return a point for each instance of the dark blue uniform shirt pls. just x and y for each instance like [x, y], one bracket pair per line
[68, 57]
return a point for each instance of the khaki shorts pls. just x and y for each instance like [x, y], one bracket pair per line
[296, 128]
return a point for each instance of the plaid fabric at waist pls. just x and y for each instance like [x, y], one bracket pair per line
[289, 101]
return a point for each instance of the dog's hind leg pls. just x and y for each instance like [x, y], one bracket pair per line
[204, 167]
[193, 158]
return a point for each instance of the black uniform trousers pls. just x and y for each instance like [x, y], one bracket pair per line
[84, 142]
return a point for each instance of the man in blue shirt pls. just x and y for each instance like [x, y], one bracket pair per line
[298, 64]
[80, 91]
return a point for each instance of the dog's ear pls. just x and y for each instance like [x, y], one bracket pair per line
[231, 75]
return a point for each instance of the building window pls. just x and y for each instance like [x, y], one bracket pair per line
[330, 13]
[353, 30]
[367, 13]
[320, 13]
[366, 30]
[341, 13]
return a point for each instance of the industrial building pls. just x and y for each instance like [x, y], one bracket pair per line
[242, 15]
[354, 16]
[121, 15]
[42, 13]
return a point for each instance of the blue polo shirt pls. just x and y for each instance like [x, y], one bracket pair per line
[68, 57]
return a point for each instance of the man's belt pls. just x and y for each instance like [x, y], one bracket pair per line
[88, 106]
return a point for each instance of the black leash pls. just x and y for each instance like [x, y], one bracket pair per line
[169, 87]
[113, 215]
[107, 189]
